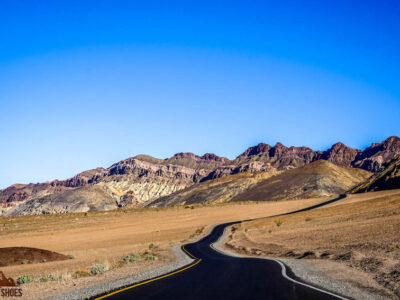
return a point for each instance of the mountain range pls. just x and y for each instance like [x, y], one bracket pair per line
[141, 180]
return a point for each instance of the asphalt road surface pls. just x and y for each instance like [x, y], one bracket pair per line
[214, 275]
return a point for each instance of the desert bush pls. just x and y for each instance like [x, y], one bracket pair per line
[131, 257]
[119, 264]
[98, 269]
[278, 223]
[24, 261]
[150, 257]
[152, 246]
[49, 277]
[308, 219]
[393, 247]
[80, 273]
[24, 279]
[71, 256]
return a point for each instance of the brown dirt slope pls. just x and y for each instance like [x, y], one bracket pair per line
[317, 179]
[218, 190]
[387, 179]
[24, 255]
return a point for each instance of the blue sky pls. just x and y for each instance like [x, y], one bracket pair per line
[87, 83]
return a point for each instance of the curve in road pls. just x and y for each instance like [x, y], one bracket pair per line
[216, 275]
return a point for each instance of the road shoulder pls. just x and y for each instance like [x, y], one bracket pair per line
[307, 273]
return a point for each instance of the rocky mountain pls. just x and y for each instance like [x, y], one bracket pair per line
[279, 156]
[317, 179]
[340, 155]
[386, 179]
[144, 178]
[377, 155]
[282, 157]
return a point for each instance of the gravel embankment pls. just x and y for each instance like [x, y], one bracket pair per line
[309, 274]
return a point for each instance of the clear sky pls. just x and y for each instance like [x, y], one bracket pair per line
[87, 83]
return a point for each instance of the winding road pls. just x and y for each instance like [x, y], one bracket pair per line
[215, 275]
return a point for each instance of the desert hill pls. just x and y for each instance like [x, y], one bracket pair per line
[82, 199]
[320, 178]
[218, 190]
[386, 179]
[144, 178]
[317, 179]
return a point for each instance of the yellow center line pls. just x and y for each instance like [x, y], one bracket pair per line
[154, 279]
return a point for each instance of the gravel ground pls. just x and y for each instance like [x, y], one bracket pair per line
[310, 274]
[182, 259]
[89, 292]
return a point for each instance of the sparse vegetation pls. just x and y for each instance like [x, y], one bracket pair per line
[150, 257]
[152, 246]
[81, 273]
[131, 257]
[24, 279]
[308, 219]
[49, 277]
[71, 256]
[119, 264]
[98, 269]
[24, 262]
[278, 223]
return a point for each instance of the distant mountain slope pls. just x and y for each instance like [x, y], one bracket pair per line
[386, 179]
[218, 190]
[82, 199]
[320, 178]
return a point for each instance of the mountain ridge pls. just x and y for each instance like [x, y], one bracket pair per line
[147, 178]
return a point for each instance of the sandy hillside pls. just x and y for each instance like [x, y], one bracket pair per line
[317, 179]
[356, 239]
[108, 237]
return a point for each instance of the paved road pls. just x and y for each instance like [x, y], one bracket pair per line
[217, 276]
